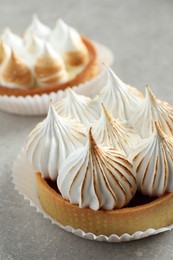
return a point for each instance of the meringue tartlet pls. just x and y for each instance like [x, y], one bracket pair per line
[45, 60]
[96, 170]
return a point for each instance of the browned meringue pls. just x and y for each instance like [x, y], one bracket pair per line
[16, 72]
[3, 52]
[49, 68]
[76, 58]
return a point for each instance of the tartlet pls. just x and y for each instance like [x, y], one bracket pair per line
[154, 214]
[25, 72]
[91, 183]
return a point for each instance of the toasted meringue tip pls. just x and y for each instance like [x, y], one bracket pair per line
[92, 141]
[150, 93]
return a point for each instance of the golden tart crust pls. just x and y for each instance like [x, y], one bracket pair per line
[90, 71]
[155, 214]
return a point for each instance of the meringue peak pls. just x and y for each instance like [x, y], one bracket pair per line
[116, 82]
[16, 72]
[121, 99]
[149, 95]
[51, 141]
[11, 39]
[37, 28]
[113, 132]
[97, 177]
[82, 108]
[92, 141]
[151, 110]
[152, 160]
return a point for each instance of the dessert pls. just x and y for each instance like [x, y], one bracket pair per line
[120, 98]
[115, 133]
[81, 108]
[151, 110]
[51, 141]
[105, 179]
[153, 161]
[44, 60]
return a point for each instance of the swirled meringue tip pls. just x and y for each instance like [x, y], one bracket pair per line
[115, 133]
[11, 39]
[37, 28]
[78, 107]
[49, 67]
[149, 95]
[70, 44]
[120, 98]
[161, 111]
[16, 72]
[97, 177]
[153, 162]
[51, 141]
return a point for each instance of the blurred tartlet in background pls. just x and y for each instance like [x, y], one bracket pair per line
[45, 60]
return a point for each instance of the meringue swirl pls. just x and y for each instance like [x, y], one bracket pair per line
[152, 160]
[115, 133]
[121, 99]
[12, 40]
[16, 73]
[97, 177]
[151, 110]
[51, 141]
[69, 44]
[37, 28]
[79, 107]
[49, 67]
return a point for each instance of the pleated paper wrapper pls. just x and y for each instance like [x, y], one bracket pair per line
[38, 104]
[24, 182]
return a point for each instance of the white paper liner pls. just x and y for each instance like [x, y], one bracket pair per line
[38, 104]
[24, 182]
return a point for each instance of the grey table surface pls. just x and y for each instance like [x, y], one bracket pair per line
[140, 34]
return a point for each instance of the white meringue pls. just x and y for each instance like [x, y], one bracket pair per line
[65, 38]
[119, 98]
[115, 133]
[12, 40]
[151, 110]
[37, 28]
[51, 141]
[153, 160]
[79, 107]
[67, 41]
[97, 177]
[49, 67]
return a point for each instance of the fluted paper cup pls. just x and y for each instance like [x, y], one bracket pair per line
[24, 182]
[38, 104]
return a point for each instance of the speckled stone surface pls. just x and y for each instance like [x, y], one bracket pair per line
[140, 33]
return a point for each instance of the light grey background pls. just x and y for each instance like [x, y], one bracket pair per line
[140, 33]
